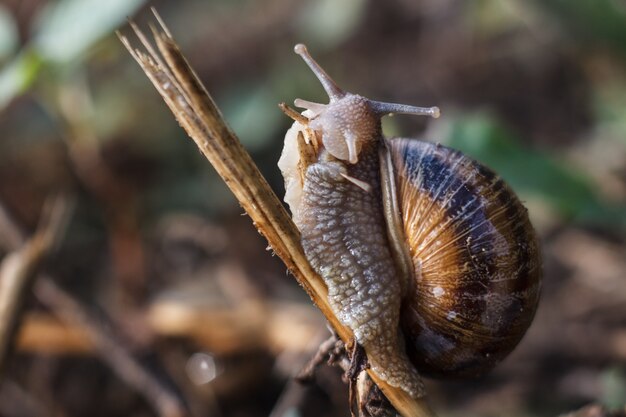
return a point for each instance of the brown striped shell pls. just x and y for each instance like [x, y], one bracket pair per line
[476, 259]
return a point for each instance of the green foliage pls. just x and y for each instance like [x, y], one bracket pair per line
[327, 23]
[253, 114]
[530, 172]
[614, 387]
[66, 31]
[18, 75]
[68, 28]
[594, 20]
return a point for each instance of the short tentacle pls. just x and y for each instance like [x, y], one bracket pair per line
[381, 108]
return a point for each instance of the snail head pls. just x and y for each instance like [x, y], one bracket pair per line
[348, 121]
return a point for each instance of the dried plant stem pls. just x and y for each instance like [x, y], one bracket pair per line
[196, 112]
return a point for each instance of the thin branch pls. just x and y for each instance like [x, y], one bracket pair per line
[111, 350]
[12, 395]
[295, 391]
[11, 236]
[18, 273]
[198, 114]
[19, 269]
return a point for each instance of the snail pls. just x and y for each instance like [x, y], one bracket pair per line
[429, 257]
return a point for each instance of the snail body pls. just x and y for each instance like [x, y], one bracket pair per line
[428, 256]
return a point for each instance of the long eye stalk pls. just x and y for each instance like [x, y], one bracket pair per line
[332, 89]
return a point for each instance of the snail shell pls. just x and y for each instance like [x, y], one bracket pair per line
[476, 257]
[426, 253]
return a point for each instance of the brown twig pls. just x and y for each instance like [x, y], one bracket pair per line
[295, 391]
[198, 114]
[327, 351]
[111, 350]
[11, 236]
[19, 269]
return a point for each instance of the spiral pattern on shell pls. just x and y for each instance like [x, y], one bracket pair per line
[476, 258]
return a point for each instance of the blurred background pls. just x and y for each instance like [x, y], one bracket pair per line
[162, 300]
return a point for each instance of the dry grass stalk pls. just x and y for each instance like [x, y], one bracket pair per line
[198, 114]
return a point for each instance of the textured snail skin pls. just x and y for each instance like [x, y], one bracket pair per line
[344, 239]
[477, 260]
